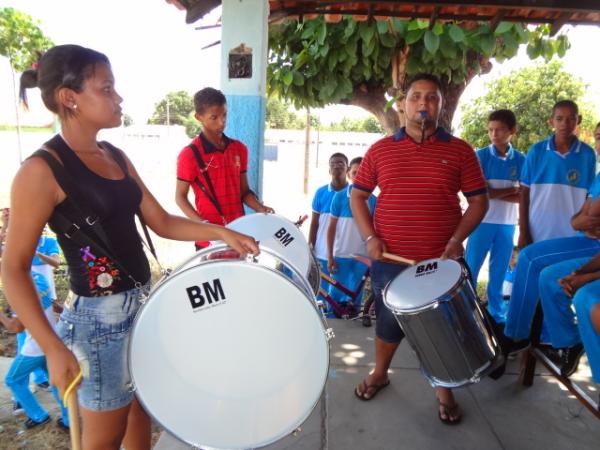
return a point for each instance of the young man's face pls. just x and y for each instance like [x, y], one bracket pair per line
[500, 135]
[564, 120]
[352, 171]
[423, 95]
[337, 167]
[213, 119]
[597, 139]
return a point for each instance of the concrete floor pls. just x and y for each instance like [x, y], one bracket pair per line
[497, 414]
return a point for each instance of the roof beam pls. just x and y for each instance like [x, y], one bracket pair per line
[558, 23]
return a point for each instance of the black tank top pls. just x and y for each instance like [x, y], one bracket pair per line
[115, 202]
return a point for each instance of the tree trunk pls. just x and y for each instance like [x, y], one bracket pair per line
[374, 101]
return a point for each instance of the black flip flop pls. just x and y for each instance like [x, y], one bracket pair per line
[374, 388]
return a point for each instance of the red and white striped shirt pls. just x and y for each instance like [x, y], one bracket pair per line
[418, 208]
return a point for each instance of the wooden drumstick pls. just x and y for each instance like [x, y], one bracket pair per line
[397, 258]
[70, 401]
[74, 431]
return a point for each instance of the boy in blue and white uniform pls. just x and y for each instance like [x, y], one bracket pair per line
[555, 180]
[344, 240]
[501, 165]
[321, 208]
[30, 358]
[575, 284]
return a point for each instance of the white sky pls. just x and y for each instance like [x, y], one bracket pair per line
[153, 51]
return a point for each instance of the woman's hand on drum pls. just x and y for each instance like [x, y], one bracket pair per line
[63, 368]
[375, 248]
[241, 243]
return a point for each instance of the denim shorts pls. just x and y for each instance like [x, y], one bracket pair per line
[96, 330]
[387, 327]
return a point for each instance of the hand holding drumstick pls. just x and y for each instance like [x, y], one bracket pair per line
[376, 251]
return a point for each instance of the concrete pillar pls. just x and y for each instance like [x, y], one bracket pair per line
[245, 38]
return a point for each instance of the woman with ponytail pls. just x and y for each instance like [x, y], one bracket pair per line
[77, 84]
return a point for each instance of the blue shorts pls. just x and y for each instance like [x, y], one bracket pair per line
[96, 330]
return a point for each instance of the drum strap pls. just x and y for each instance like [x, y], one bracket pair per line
[85, 229]
[212, 195]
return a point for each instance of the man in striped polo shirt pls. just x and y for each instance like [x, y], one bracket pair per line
[420, 171]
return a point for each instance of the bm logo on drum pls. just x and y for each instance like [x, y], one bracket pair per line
[426, 269]
[207, 295]
[284, 237]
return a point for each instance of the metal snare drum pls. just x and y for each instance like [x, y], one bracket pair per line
[437, 308]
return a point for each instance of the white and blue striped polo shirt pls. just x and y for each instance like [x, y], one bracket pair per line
[322, 205]
[501, 173]
[558, 186]
[348, 240]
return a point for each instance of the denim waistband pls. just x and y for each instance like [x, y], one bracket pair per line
[120, 303]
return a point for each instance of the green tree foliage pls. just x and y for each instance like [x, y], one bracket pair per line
[279, 116]
[174, 109]
[314, 63]
[21, 39]
[530, 93]
[367, 125]
[192, 126]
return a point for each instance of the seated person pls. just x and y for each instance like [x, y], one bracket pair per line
[575, 283]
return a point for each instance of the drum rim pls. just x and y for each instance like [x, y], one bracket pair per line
[248, 217]
[445, 297]
[221, 245]
[299, 421]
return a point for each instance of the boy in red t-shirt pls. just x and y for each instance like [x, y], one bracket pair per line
[215, 166]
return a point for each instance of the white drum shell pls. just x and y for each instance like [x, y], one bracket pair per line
[283, 238]
[450, 334]
[238, 373]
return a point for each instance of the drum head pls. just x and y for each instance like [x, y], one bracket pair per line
[277, 234]
[229, 354]
[420, 285]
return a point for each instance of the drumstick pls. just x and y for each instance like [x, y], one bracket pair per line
[70, 400]
[397, 258]
[73, 408]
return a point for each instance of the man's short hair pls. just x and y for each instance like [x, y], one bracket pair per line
[339, 155]
[566, 104]
[356, 160]
[506, 116]
[208, 97]
[424, 77]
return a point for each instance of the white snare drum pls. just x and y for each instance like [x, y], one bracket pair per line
[229, 354]
[284, 239]
[437, 308]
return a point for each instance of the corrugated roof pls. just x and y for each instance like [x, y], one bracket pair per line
[556, 12]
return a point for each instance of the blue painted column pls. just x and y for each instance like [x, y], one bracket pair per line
[245, 31]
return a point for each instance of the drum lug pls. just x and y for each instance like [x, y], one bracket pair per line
[329, 334]
[297, 431]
